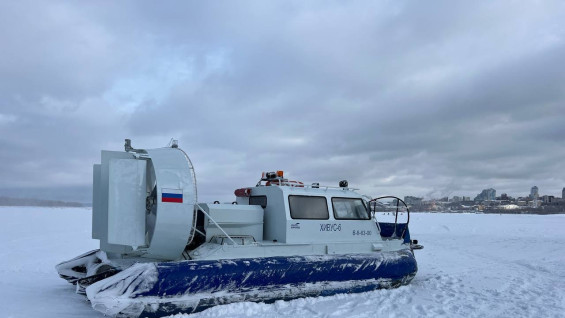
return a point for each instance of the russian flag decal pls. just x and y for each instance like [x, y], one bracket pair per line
[171, 195]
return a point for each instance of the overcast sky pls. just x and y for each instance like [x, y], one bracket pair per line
[398, 97]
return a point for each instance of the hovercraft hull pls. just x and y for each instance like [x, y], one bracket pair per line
[158, 289]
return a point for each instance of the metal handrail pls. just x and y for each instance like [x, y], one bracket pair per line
[287, 183]
[396, 214]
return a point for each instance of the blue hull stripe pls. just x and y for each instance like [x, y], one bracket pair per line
[268, 279]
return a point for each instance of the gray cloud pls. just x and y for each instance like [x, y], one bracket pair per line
[406, 98]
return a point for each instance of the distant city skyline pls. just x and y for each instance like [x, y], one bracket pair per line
[487, 194]
[488, 202]
[83, 194]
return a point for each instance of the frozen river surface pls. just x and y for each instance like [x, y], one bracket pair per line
[473, 265]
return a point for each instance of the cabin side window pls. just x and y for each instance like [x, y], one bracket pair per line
[350, 209]
[258, 200]
[308, 207]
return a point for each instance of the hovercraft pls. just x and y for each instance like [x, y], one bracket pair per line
[162, 252]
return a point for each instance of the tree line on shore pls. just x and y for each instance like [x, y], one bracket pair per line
[8, 201]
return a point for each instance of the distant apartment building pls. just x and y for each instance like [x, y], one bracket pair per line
[486, 195]
[534, 193]
[457, 198]
[563, 194]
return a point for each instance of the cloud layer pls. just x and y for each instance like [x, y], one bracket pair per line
[399, 97]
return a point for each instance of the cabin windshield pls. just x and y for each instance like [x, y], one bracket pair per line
[350, 209]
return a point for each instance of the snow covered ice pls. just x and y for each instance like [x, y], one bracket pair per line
[473, 265]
